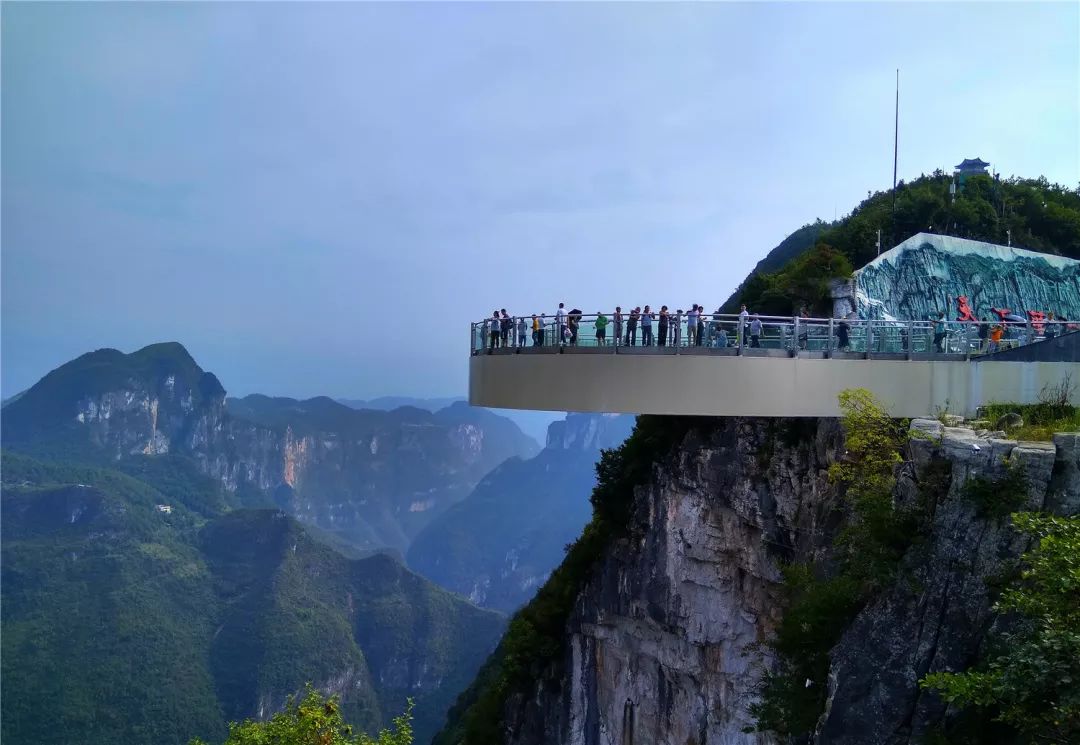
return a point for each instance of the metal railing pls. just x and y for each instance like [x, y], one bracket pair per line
[738, 335]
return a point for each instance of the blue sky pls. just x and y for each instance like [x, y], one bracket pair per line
[316, 198]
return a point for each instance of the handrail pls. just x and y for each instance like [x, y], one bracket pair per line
[736, 332]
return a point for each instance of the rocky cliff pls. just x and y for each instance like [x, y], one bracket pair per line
[662, 637]
[371, 478]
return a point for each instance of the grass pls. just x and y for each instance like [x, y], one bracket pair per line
[1041, 420]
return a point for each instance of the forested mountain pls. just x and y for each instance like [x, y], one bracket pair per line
[371, 478]
[139, 621]
[1029, 213]
[500, 543]
[156, 584]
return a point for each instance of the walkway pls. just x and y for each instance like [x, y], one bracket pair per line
[776, 379]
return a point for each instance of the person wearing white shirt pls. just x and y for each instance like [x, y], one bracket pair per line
[560, 323]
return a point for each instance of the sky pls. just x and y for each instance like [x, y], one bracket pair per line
[317, 198]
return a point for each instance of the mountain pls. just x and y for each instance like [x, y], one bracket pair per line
[140, 621]
[500, 543]
[788, 249]
[371, 478]
[389, 403]
[1029, 213]
[532, 423]
[728, 590]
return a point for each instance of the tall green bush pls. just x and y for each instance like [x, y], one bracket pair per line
[1032, 679]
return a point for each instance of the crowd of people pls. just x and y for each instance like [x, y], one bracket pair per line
[694, 327]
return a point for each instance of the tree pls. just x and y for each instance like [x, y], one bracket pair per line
[314, 720]
[1033, 677]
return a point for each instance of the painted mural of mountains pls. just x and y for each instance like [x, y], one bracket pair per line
[499, 544]
[370, 478]
[130, 617]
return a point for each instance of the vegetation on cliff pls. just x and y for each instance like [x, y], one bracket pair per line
[1031, 678]
[821, 602]
[1030, 213]
[314, 720]
[535, 642]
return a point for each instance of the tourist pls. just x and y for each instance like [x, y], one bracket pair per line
[984, 333]
[521, 330]
[691, 325]
[939, 333]
[574, 322]
[996, 334]
[676, 330]
[744, 321]
[601, 328]
[506, 326]
[495, 331]
[1050, 327]
[700, 324]
[804, 328]
[721, 337]
[616, 337]
[538, 340]
[646, 328]
[843, 337]
[755, 332]
[631, 328]
[662, 326]
[560, 323]
[716, 327]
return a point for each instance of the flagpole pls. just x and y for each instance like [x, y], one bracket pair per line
[896, 151]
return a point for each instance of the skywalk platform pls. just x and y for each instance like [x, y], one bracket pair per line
[760, 382]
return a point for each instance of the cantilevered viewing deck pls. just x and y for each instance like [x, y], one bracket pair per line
[795, 367]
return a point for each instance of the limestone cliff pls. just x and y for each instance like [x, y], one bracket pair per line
[661, 643]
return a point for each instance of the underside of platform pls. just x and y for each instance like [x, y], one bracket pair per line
[775, 386]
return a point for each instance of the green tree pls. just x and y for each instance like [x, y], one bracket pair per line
[820, 604]
[1033, 677]
[314, 720]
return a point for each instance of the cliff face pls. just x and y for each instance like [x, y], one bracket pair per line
[661, 641]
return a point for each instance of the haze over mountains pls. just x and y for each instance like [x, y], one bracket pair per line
[157, 583]
[174, 559]
[498, 545]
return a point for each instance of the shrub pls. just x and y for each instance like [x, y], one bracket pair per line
[1032, 679]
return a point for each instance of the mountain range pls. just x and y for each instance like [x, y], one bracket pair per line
[174, 559]
[373, 479]
[499, 544]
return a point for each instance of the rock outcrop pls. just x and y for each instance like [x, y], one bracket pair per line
[662, 644]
